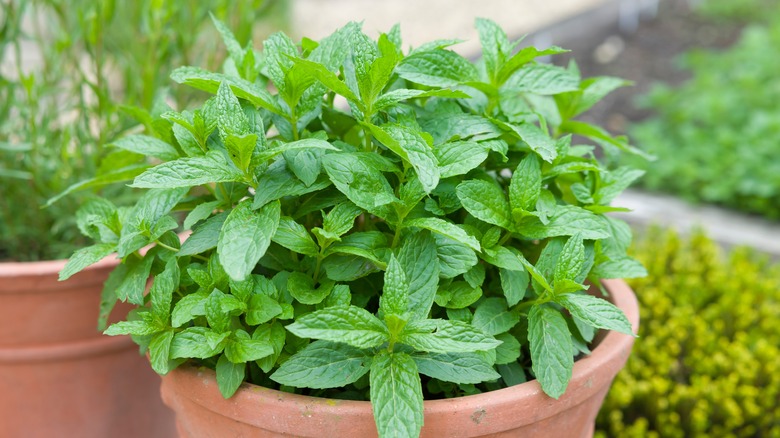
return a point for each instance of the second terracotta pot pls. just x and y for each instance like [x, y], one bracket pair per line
[59, 376]
[518, 411]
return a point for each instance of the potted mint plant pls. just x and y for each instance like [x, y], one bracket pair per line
[384, 225]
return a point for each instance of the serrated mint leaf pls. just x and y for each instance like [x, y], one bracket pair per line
[418, 152]
[568, 220]
[524, 56]
[301, 287]
[459, 295]
[279, 50]
[503, 258]
[328, 79]
[538, 140]
[231, 119]
[188, 172]
[323, 364]
[622, 267]
[443, 336]
[293, 236]
[614, 182]
[199, 213]
[159, 351]
[229, 376]
[509, 350]
[131, 288]
[551, 349]
[395, 291]
[462, 368]
[242, 348]
[138, 328]
[445, 228]
[595, 89]
[275, 335]
[278, 182]
[437, 68]
[495, 45]
[245, 237]
[204, 237]
[485, 201]
[420, 263]
[350, 325]
[544, 79]
[306, 164]
[261, 309]
[475, 276]
[85, 257]
[161, 292]
[197, 342]
[493, 317]
[231, 44]
[526, 184]
[340, 218]
[459, 127]
[308, 143]
[393, 97]
[368, 244]
[514, 284]
[597, 312]
[396, 395]
[459, 157]
[363, 184]
[210, 82]
[454, 258]
[147, 146]
[570, 261]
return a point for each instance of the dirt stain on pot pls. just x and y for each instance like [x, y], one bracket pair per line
[478, 416]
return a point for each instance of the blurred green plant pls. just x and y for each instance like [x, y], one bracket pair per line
[70, 71]
[708, 360]
[716, 136]
[739, 10]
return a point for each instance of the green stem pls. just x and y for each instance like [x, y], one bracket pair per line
[168, 247]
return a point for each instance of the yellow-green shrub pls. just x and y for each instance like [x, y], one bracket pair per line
[707, 363]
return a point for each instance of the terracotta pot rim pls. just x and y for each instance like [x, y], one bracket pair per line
[48, 267]
[56, 352]
[590, 375]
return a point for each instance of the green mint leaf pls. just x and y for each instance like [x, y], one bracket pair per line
[199, 213]
[596, 312]
[85, 257]
[522, 58]
[329, 80]
[231, 119]
[396, 395]
[437, 68]
[419, 261]
[475, 276]
[485, 201]
[278, 182]
[395, 292]
[445, 228]
[614, 182]
[204, 237]
[293, 236]
[514, 285]
[543, 79]
[593, 90]
[363, 184]
[306, 164]
[619, 267]
[394, 97]
[349, 325]
[340, 218]
[443, 336]
[526, 184]
[161, 292]
[459, 127]
[459, 295]
[412, 148]
[600, 135]
[568, 220]
[380, 67]
[301, 287]
[571, 260]
[245, 237]
[307, 143]
[198, 343]
[368, 244]
[493, 317]
[147, 146]
[207, 81]
[512, 373]
[137, 328]
[261, 309]
[131, 288]
[536, 139]
[323, 364]
[188, 172]
[509, 350]
[461, 368]
[459, 157]
[551, 349]
[110, 177]
[495, 46]
[503, 258]
[279, 51]
[241, 348]
[454, 258]
[229, 376]
[275, 335]
[160, 350]
[217, 319]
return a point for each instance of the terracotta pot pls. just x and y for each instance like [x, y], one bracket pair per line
[60, 377]
[522, 410]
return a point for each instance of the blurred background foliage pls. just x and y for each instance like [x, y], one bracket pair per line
[717, 136]
[706, 360]
[71, 70]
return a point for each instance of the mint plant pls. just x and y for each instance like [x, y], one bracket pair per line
[370, 223]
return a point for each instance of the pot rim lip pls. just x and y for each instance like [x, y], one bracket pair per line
[613, 348]
[49, 267]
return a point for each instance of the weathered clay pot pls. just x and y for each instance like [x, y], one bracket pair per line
[519, 411]
[59, 376]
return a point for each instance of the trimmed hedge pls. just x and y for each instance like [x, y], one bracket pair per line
[707, 363]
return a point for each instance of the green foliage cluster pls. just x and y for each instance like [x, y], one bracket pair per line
[362, 215]
[68, 66]
[709, 361]
[747, 11]
[716, 135]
